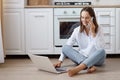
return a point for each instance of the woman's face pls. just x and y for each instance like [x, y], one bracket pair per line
[85, 18]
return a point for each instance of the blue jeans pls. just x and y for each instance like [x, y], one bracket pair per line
[96, 58]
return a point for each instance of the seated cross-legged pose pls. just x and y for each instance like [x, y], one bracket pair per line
[90, 40]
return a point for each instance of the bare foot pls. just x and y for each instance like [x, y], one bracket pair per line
[92, 69]
[73, 71]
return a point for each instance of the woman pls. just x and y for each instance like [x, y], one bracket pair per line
[89, 38]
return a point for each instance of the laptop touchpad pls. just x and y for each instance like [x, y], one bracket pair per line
[61, 69]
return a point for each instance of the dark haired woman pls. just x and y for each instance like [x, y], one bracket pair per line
[89, 38]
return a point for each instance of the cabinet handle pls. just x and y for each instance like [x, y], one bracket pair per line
[105, 15]
[65, 12]
[108, 43]
[39, 16]
[106, 25]
[107, 34]
[74, 12]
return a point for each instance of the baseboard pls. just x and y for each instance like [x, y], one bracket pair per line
[53, 56]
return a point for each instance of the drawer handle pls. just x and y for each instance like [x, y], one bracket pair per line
[107, 34]
[39, 16]
[106, 25]
[105, 15]
[74, 12]
[107, 43]
[65, 12]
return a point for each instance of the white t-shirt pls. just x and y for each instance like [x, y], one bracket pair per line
[87, 44]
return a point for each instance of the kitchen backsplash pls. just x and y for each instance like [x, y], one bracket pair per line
[94, 2]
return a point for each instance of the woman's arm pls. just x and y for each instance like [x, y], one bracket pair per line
[70, 41]
[62, 57]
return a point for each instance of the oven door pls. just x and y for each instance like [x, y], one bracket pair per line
[63, 28]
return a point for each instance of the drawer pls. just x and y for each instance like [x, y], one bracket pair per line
[67, 11]
[109, 43]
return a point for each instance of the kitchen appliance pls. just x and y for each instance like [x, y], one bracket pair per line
[72, 3]
[65, 21]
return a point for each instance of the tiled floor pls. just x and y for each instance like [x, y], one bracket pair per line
[23, 69]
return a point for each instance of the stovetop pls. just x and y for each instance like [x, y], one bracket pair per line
[72, 3]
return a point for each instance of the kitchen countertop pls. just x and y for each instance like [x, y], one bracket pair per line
[69, 6]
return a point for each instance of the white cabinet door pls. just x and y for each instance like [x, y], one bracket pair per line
[14, 31]
[13, 4]
[118, 30]
[106, 19]
[39, 30]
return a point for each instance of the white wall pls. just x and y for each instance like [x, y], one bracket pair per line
[107, 2]
[95, 2]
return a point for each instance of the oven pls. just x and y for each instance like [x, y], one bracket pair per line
[65, 21]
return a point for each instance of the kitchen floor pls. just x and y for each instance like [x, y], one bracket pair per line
[24, 69]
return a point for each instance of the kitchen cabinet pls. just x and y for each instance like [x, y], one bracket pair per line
[14, 27]
[39, 30]
[14, 31]
[106, 19]
[30, 30]
[117, 30]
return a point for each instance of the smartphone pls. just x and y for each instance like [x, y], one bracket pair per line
[92, 19]
[89, 24]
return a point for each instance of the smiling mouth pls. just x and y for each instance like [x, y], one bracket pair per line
[85, 24]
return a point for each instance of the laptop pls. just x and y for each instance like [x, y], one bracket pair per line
[43, 63]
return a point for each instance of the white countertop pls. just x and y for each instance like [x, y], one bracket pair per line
[54, 6]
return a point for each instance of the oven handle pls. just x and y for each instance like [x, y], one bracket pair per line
[61, 45]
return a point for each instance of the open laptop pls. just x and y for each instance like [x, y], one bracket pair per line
[43, 63]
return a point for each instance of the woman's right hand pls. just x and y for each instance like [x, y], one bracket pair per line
[58, 64]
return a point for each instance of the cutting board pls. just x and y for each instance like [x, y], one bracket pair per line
[38, 2]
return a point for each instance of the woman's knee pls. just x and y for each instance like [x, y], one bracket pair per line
[65, 48]
[102, 52]
[102, 57]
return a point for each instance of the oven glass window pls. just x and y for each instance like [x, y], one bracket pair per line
[66, 29]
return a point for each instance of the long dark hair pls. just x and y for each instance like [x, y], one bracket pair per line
[92, 14]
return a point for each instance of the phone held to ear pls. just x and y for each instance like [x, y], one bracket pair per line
[89, 24]
[92, 19]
